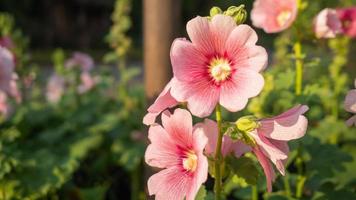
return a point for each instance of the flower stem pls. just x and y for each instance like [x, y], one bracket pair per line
[299, 68]
[254, 192]
[287, 185]
[218, 156]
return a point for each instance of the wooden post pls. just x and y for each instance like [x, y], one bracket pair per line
[161, 23]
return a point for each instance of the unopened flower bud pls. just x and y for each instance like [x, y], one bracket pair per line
[247, 123]
[238, 13]
[215, 10]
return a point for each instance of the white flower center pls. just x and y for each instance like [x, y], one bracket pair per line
[219, 69]
[283, 17]
[190, 162]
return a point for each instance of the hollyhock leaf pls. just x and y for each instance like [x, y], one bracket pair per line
[201, 195]
[245, 168]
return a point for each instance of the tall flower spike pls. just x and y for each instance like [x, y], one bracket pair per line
[222, 65]
[350, 106]
[327, 24]
[178, 148]
[271, 137]
[274, 15]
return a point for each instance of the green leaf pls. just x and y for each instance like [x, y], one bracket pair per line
[244, 168]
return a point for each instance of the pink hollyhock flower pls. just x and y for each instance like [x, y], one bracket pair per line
[82, 60]
[274, 15]
[350, 106]
[55, 88]
[87, 82]
[271, 139]
[229, 146]
[163, 101]
[348, 19]
[177, 147]
[7, 66]
[4, 106]
[14, 90]
[7, 42]
[220, 65]
[327, 24]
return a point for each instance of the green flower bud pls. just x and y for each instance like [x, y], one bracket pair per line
[215, 10]
[247, 123]
[238, 13]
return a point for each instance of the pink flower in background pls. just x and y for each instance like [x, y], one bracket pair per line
[178, 148]
[228, 145]
[220, 65]
[350, 106]
[7, 42]
[327, 24]
[163, 101]
[82, 60]
[87, 82]
[7, 66]
[55, 88]
[272, 136]
[348, 19]
[274, 15]
[14, 90]
[4, 107]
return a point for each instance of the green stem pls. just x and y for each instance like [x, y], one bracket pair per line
[218, 156]
[287, 185]
[299, 68]
[300, 186]
[254, 192]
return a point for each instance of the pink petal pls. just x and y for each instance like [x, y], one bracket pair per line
[254, 58]
[327, 24]
[240, 148]
[169, 184]
[7, 66]
[351, 121]
[200, 140]
[162, 151]
[267, 168]
[163, 101]
[200, 34]
[210, 129]
[271, 151]
[235, 92]
[242, 35]
[350, 101]
[286, 126]
[221, 26]
[282, 146]
[201, 96]
[188, 62]
[179, 127]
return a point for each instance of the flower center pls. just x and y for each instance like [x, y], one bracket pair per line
[283, 17]
[190, 162]
[219, 69]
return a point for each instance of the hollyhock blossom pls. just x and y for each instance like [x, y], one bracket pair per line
[55, 88]
[271, 137]
[87, 82]
[7, 42]
[350, 106]
[327, 24]
[178, 148]
[7, 66]
[4, 106]
[14, 90]
[82, 60]
[348, 19]
[163, 101]
[274, 15]
[221, 64]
